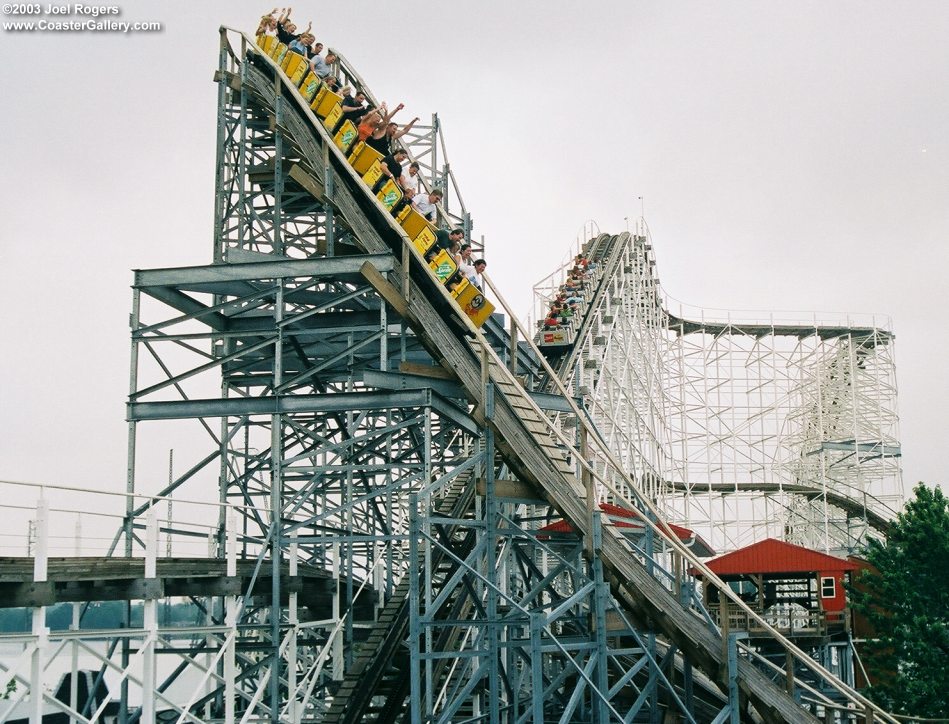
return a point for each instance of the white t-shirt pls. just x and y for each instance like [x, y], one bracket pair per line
[424, 206]
[467, 269]
[408, 180]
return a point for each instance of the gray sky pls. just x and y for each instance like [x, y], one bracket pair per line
[792, 156]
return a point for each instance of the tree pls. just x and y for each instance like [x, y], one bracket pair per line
[906, 600]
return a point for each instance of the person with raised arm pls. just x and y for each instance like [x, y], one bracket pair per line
[286, 29]
[268, 25]
[384, 137]
[379, 138]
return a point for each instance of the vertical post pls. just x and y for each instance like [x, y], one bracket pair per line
[74, 647]
[491, 534]
[130, 457]
[292, 632]
[278, 245]
[652, 684]
[789, 672]
[130, 491]
[513, 350]
[601, 596]
[537, 667]
[230, 658]
[415, 668]
[406, 266]
[723, 622]
[733, 698]
[150, 617]
[40, 632]
[221, 155]
[171, 479]
[276, 510]
[338, 637]
[587, 480]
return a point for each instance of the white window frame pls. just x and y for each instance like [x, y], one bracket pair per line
[823, 586]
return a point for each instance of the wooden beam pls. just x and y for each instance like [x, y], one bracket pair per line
[307, 181]
[512, 489]
[385, 289]
[414, 368]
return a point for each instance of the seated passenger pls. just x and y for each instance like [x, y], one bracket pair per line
[301, 46]
[454, 281]
[321, 66]
[454, 251]
[444, 239]
[378, 138]
[268, 25]
[392, 164]
[370, 120]
[409, 178]
[477, 279]
[426, 203]
[353, 108]
[383, 138]
[465, 263]
[286, 29]
[332, 82]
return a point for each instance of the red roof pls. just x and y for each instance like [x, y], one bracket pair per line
[623, 518]
[774, 556]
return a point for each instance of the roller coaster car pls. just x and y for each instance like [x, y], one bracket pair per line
[390, 194]
[311, 84]
[333, 119]
[346, 136]
[373, 174]
[362, 158]
[555, 341]
[443, 266]
[266, 43]
[295, 66]
[278, 53]
[325, 101]
[367, 162]
[417, 228]
[472, 302]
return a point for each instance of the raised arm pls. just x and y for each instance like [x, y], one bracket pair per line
[392, 113]
[405, 129]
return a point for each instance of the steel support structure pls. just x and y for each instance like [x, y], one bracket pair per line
[743, 427]
[339, 460]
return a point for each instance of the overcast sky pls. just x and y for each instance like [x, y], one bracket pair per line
[791, 156]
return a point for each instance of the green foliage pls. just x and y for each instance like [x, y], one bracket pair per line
[907, 602]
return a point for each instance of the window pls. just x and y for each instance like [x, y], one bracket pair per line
[828, 587]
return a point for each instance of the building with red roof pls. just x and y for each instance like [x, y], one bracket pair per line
[797, 590]
[633, 525]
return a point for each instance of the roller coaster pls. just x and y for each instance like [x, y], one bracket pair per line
[383, 457]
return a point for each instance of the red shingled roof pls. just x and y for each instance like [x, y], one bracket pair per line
[623, 518]
[774, 556]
